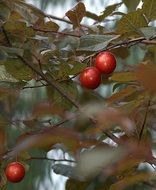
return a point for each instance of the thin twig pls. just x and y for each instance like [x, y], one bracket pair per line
[51, 159]
[144, 121]
[36, 86]
[55, 32]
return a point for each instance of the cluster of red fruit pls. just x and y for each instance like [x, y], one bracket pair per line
[90, 78]
[15, 172]
[105, 63]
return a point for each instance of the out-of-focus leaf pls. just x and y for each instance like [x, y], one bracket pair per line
[149, 9]
[73, 184]
[130, 23]
[146, 73]
[45, 140]
[123, 77]
[133, 179]
[18, 70]
[148, 32]
[95, 42]
[125, 92]
[47, 108]
[76, 14]
[94, 161]
[111, 116]
[24, 155]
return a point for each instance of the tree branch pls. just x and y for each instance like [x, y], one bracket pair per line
[50, 82]
[55, 32]
[128, 43]
[51, 159]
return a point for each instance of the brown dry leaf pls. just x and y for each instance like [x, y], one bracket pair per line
[146, 75]
[76, 14]
[47, 108]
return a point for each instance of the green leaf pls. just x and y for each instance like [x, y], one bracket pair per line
[67, 44]
[148, 32]
[109, 10]
[5, 76]
[16, 32]
[49, 25]
[92, 15]
[131, 6]
[95, 42]
[130, 23]
[123, 77]
[149, 9]
[76, 14]
[121, 52]
[28, 11]
[67, 86]
[4, 11]
[77, 68]
[18, 70]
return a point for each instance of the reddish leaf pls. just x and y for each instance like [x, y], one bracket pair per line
[47, 108]
[146, 75]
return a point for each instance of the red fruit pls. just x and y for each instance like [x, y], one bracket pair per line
[15, 172]
[90, 77]
[105, 62]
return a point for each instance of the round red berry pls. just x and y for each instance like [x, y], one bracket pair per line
[90, 78]
[15, 172]
[105, 62]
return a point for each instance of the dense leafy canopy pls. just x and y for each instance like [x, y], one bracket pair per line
[43, 105]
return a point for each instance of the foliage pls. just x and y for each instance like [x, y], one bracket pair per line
[37, 58]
